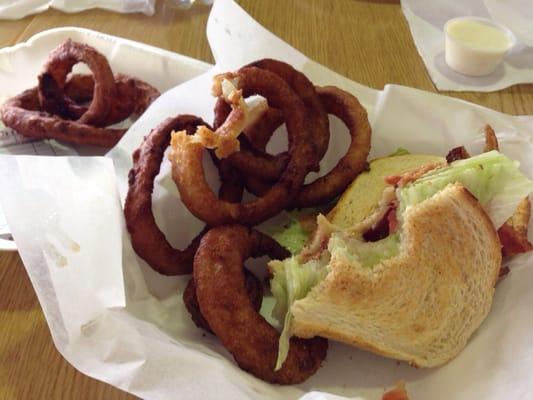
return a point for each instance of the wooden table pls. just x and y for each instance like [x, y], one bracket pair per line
[367, 41]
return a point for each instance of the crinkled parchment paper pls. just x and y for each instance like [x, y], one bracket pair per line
[118, 321]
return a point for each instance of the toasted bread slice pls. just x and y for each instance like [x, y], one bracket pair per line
[421, 305]
[513, 234]
[361, 199]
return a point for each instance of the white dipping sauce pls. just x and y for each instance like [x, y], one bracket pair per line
[476, 46]
[479, 35]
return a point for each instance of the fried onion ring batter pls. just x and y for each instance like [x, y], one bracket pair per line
[224, 303]
[146, 237]
[254, 291]
[56, 110]
[22, 113]
[187, 160]
[132, 96]
[53, 78]
[265, 166]
[324, 189]
[252, 155]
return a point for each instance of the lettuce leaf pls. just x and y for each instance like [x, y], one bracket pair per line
[400, 151]
[292, 281]
[494, 179]
[292, 236]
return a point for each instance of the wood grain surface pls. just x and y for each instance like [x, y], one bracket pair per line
[367, 41]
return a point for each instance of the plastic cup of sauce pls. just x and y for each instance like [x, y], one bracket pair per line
[476, 46]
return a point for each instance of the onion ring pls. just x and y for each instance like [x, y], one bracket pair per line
[317, 117]
[79, 88]
[259, 133]
[132, 96]
[147, 239]
[22, 113]
[264, 165]
[187, 165]
[231, 184]
[251, 156]
[53, 78]
[254, 291]
[324, 189]
[224, 140]
[220, 288]
[346, 107]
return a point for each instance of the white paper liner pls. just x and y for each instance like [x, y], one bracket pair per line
[16, 9]
[151, 348]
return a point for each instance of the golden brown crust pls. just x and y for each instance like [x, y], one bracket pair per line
[53, 78]
[254, 290]
[324, 189]
[147, 239]
[22, 113]
[361, 199]
[225, 305]
[187, 164]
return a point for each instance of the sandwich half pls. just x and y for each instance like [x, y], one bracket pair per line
[404, 267]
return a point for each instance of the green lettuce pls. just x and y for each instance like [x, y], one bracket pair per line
[494, 179]
[292, 281]
[400, 151]
[291, 236]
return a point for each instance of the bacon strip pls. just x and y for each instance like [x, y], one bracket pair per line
[411, 176]
[457, 153]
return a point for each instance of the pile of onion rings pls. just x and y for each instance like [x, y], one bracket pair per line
[223, 297]
[57, 108]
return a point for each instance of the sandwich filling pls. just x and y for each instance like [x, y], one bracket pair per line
[492, 178]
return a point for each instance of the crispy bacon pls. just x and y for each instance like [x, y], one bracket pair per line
[393, 179]
[513, 234]
[504, 270]
[378, 231]
[392, 220]
[319, 241]
[411, 176]
[513, 242]
[457, 153]
[384, 227]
